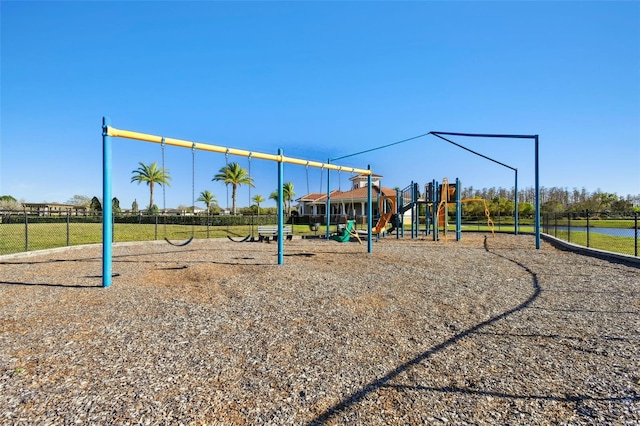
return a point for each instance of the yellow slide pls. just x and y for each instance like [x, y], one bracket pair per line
[382, 223]
[388, 203]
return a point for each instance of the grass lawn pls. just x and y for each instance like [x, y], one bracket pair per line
[624, 245]
[50, 235]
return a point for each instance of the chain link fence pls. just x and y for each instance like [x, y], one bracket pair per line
[20, 231]
[611, 231]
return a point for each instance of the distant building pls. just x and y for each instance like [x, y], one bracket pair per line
[190, 211]
[55, 209]
[351, 203]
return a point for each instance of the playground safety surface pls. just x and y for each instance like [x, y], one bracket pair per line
[487, 330]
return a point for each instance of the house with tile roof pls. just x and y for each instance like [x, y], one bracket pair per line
[351, 204]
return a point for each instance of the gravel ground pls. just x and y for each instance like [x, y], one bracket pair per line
[483, 331]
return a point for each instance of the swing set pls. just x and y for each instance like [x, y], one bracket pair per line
[249, 237]
[193, 197]
[109, 132]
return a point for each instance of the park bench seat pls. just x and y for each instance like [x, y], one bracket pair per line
[266, 232]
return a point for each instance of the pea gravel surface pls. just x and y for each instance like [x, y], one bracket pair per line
[484, 331]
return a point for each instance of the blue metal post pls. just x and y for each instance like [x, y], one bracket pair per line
[414, 205]
[427, 217]
[537, 179]
[458, 211]
[635, 233]
[515, 218]
[413, 217]
[399, 217]
[434, 212]
[107, 208]
[588, 230]
[379, 211]
[328, 231]
[369, 214]
[280, 209]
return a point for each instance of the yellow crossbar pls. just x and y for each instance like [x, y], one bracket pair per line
[128, 134]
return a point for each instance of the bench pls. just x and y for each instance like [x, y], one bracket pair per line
[271, 231]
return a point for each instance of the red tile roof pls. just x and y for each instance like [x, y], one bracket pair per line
[354, 194]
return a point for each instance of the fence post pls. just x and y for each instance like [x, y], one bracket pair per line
[569, 227]
[156, 228]
[26, 230]
[68, 226]
[635, 223]
[588, 233]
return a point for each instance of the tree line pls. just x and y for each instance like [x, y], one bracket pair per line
[552, 200]
[232, 175]
[500, 201]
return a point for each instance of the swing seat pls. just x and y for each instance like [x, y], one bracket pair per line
[178, 244]
[347, 233]
[241, 240]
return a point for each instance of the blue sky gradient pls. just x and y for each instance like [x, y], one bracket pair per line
[320, 80]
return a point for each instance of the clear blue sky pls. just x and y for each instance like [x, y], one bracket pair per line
[320, 80]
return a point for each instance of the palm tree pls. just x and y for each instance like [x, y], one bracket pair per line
[151, 175]
[274, 196]
[208, 199]
[235, 175]
[288, 194]
[258, 199]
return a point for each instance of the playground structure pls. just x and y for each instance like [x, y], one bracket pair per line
[444, 195]
[437, 199]
[441, 135]
[109, 132]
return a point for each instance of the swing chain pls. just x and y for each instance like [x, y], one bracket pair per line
[164, 199]
[193, 188]
[226, 185]
[249, 165]
[307, 170]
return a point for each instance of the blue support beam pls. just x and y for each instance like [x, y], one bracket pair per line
[458, 210]
[434, 209]
[537, 179]
[536, 166]
[280, 209]
[369, 214]
[107, 206]
[415, 208]
[328, 231]
[399, 216]
[516, 226]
